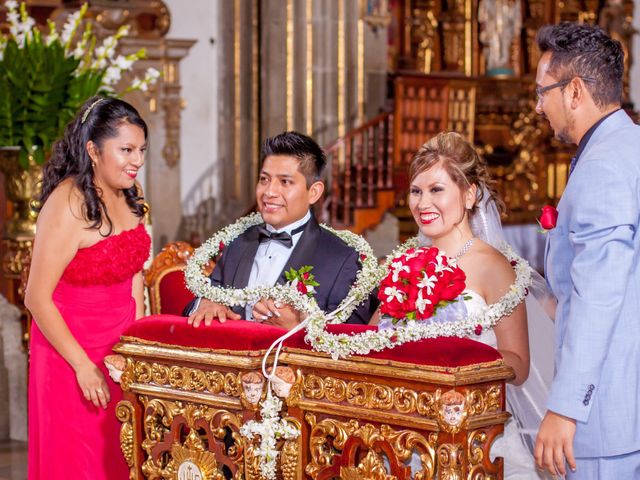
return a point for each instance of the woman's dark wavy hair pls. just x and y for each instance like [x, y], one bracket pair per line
[97, 121]
[582, 50]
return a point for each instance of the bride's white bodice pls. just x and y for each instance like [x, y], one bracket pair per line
[475, 305]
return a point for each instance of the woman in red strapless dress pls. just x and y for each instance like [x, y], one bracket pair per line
[84, 290]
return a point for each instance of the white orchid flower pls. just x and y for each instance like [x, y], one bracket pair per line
[428, 282]
[112, 76]
[440, 265]
[393, 293]
[123, 63]
[397, 268]
[421, 302]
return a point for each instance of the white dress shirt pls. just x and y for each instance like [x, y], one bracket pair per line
[271, 258]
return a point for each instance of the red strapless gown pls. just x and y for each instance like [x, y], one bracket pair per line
[69, 438]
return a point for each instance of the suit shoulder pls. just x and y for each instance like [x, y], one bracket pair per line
[335, 244]
[243, 237]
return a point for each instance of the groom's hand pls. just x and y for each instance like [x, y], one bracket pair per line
[554, 444]
[208, 310]
[270, 313]
[289, 318]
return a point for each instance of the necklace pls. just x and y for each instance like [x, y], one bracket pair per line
[465, 248]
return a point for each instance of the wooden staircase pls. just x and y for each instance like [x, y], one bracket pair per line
[369, 164]
[360, 187]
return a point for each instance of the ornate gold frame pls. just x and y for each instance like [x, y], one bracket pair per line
[359, 418]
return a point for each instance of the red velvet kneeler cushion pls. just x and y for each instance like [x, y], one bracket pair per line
[174, 295]
[172, 330]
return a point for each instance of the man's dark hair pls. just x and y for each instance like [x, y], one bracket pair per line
[305, 149]
[581, 50]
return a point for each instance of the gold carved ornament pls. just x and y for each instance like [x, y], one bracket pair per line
[362, 394]
[334, 443]
[201, 450]
[173, 257]
[479, 462]
[450, 461]
[487, 401]
[181, 378]
[291, 455]
[125, 412]
[453, 408]
[251, 462]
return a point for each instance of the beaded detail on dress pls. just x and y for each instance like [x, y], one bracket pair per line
[112, 260]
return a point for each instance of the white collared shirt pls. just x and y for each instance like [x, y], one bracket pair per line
[271, 258]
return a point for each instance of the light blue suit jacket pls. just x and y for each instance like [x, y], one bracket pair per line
[592, 264]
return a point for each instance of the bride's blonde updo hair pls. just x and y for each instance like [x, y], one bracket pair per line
[461, 161]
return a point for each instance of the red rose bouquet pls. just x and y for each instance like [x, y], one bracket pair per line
[419, 282]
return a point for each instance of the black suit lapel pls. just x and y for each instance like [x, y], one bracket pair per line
[304, 249]
[243, 272]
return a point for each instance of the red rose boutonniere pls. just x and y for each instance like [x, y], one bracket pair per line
[302, 280]
[548, 218]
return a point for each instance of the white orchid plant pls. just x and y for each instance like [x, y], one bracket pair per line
[45, 76]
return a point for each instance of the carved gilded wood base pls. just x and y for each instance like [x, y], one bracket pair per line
[359, 419]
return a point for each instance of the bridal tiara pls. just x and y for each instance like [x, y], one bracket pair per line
[88, 110]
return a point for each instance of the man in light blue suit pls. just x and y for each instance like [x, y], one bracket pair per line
[592, 261]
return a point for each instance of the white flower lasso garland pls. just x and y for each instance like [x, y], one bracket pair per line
[343, 345]
[271, 429]
[366, 280]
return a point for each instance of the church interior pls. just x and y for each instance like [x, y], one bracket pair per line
[370, 81]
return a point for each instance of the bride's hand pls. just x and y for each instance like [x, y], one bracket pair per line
[93, 384]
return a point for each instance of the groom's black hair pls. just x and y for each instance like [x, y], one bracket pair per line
[293, 144]
[587, 51]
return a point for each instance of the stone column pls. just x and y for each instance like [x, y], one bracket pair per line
[160, 108]
[13, 375]
[239, 91]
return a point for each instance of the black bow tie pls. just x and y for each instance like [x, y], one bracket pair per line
[283, 237]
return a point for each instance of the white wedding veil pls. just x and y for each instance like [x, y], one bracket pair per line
[527, 401]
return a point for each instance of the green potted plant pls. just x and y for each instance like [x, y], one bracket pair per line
[44, 79]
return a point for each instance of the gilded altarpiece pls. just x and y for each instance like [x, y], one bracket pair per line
[436, 47]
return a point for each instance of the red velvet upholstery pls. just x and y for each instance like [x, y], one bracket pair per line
[443, 351]
[174, 295]
[240, 335]
[231, 335]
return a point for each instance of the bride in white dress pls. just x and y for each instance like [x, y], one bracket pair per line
[451, 198]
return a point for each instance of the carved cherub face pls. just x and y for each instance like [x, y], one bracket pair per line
[453, 407]
[252, 383]
[282, 381]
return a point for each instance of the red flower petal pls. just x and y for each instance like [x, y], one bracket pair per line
[549, 217]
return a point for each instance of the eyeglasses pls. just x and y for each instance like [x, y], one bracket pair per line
[561, 84]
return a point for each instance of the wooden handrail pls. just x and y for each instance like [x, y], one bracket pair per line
[357, 131]
[361, 166]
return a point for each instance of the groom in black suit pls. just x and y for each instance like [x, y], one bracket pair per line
[289, 184]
